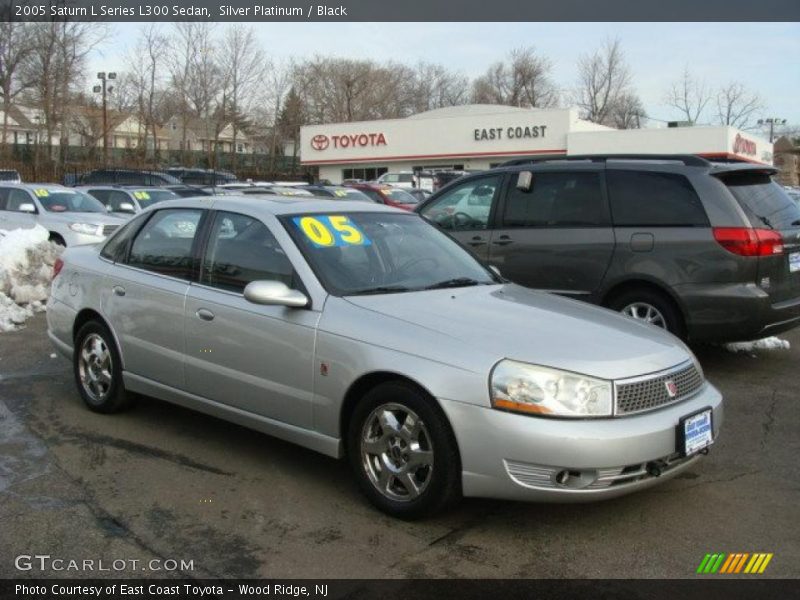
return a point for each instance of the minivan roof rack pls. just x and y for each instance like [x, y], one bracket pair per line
[690, 160]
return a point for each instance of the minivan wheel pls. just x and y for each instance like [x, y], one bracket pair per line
[402, 452]
[649, 307]
[97, 368]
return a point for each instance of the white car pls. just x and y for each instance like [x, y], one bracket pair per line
[402, 179]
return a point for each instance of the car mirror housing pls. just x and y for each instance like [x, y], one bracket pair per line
[274, 293]
[27, 207]
[525, 181]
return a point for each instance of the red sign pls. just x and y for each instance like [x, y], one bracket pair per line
[743, 146]
[320, 142]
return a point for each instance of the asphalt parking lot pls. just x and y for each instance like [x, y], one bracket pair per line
[161, 482]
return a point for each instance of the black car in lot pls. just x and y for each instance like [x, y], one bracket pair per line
[135, 177]
[709, 251]
[202, 177]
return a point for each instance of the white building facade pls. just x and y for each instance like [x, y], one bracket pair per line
[476, 137]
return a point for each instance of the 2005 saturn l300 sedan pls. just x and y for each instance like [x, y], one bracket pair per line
[363, 331]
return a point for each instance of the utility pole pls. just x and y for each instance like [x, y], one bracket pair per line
[105, 90]
[772, 121]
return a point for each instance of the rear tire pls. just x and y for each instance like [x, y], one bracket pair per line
[649, 306]
[402, 452]
[98, 370]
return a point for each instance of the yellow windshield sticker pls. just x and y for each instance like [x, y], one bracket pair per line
[141, 195]
[326, 231]
[41, 193]
[340, 193]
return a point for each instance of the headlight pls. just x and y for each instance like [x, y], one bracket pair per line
[531, 389]
[87, 228]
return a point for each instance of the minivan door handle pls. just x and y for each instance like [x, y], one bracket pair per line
[477, 241]
[205, 314]
[503, 240]
[118, 290]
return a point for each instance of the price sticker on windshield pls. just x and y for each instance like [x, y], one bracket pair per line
[327, 231]
[141, 195]
[41, 193]
[340, 193]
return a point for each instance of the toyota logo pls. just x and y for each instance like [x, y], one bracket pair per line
[320, 142]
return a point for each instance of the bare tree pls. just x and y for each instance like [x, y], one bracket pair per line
[736, 105]
[15, 47]
[628, 112]
[523, 80]
[434, 86]
[271, 94]
[244, 63]
[603, 78]
[689, 95]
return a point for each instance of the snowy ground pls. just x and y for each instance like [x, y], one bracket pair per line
[26, 267]
[770, 343]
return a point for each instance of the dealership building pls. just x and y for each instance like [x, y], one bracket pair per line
[481, 136]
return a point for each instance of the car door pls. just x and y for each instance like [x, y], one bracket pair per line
[13, 217]
[556, 235]
[253, 357]
[144, 294]
[465, 211]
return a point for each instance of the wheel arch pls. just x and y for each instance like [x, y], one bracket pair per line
[89, 314]
[658, 287]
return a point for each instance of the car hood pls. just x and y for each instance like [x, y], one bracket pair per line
[509, 321]
[85, 217]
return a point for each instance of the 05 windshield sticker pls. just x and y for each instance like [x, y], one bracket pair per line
[41, 193]
[327, 231]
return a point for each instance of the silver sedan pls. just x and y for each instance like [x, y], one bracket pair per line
[364, 332]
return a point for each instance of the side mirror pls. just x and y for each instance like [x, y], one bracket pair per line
[126, 207]
[27, 207]
[525, 181]
[274, 293]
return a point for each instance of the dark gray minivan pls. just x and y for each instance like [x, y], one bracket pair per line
[710, 251]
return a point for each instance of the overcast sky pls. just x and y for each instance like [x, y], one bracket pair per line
[763, 56]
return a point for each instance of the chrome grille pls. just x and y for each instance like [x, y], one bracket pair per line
[651, 392]
[109, 229]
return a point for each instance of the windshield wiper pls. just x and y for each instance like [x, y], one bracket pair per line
[450, 283]
[381, 289]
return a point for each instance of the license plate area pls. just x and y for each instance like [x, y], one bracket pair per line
[794, 262]
[695, 432]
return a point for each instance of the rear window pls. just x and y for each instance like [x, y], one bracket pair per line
[766, 203]
[650, 199]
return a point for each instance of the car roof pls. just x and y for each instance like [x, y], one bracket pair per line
[277, 205]
[111, 186]
[35, 186]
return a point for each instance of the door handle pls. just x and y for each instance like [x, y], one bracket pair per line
[205, 314]
[503, 240]
[118, 290]
[476, 241]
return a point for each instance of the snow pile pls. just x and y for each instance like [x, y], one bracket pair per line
[26, 266]
[770, 343]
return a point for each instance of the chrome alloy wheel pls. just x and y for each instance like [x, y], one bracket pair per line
[647, 313]
[94, 367]
[396, 452]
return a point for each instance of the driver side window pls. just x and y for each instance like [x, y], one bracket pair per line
[465, 207]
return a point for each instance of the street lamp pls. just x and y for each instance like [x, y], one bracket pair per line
[772, 121]
[105, 89]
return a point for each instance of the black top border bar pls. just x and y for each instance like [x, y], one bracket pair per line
[406, 11]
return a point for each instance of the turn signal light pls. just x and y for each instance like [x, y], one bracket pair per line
[57, 266]
[749, 242]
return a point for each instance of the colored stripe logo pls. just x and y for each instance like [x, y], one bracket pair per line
[737, 562]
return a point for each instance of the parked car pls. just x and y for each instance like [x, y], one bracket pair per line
[794, 194]
[370, 334]
[710, 252]
[442, 178]
[388, 195]
[71, 217]
[128, 200]
[420, 194]
[187, 191]
[201, 177]
[127, 177]
[338, 192]
[10, 176]
[402, 179]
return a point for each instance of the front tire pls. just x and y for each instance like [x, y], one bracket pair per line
[402, 452]
[98, 370]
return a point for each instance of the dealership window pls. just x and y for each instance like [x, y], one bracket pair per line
[640, 198]
[367, 174]
[557, 200]
[464, 207]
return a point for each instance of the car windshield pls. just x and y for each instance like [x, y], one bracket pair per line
[149, 197]
[766, 202]
[68, 201]
[401, 196]
[374, 253]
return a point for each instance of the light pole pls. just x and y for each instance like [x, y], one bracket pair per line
[772, 121]
[104, 89]
[38, 120]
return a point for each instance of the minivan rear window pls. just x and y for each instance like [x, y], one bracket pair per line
[653, 199]
[765, 202]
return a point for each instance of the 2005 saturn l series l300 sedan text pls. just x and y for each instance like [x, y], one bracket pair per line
[364, 331]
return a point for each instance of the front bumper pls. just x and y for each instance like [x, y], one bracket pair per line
[517, 457]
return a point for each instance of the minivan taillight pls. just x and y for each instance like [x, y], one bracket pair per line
[57, 266]
[745, 241]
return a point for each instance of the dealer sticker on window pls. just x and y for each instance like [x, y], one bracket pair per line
[696, 432]
[794, 262]
[326, 231]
